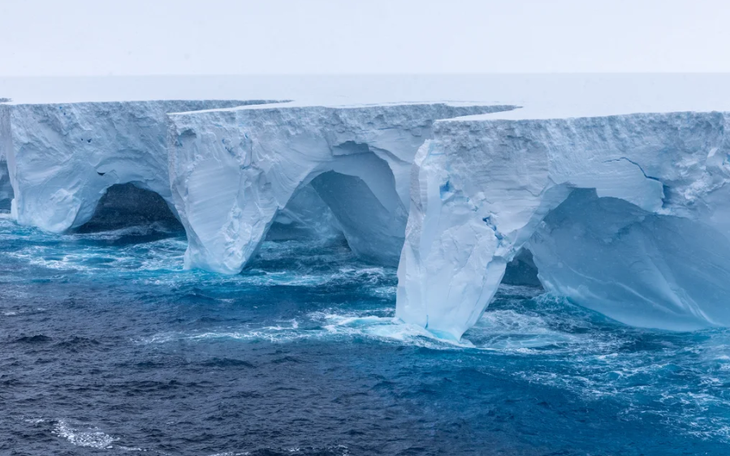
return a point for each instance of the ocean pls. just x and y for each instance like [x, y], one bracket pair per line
[109, 347]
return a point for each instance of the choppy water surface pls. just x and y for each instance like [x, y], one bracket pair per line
[108, 347]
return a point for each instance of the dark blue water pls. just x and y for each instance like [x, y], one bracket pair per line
[108, 347]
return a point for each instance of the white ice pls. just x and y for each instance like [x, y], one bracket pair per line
[233, 170]
[615, 183]
[646, 241]
[61, 158]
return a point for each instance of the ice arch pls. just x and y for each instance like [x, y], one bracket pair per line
[367, 207]
[126, 205]
[522, 270]
[361, 198]
[233, 170]
[305, 216]
[638, 267]
[62, 157]
[484, 189]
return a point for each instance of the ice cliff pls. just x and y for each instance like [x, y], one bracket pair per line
[61, 158]
[233, 170]
[6, 189]
[627, 215]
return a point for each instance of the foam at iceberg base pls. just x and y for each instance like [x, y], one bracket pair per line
[61, 158]
[234, 170]
[628, 215]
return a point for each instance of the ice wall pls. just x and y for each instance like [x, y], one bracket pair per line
[233, 170]
[62, 157]
[6, 190]
[627, 215]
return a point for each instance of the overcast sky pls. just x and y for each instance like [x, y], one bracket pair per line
[146, 37]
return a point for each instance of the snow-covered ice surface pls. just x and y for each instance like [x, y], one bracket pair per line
[542, 95]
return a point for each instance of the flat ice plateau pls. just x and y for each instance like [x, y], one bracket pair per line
[616, 184]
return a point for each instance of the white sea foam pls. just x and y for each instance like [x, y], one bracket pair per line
[91, 438]
[502, 331]
[35, 420]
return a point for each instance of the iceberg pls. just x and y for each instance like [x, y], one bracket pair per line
[627, 215]
[233, 171]
[61, 158]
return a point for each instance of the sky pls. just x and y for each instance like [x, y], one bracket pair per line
[229, 37]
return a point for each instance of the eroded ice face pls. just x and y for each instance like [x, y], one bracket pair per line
[636, 267]
[62, 157]
[233, 171]
[626, 215]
